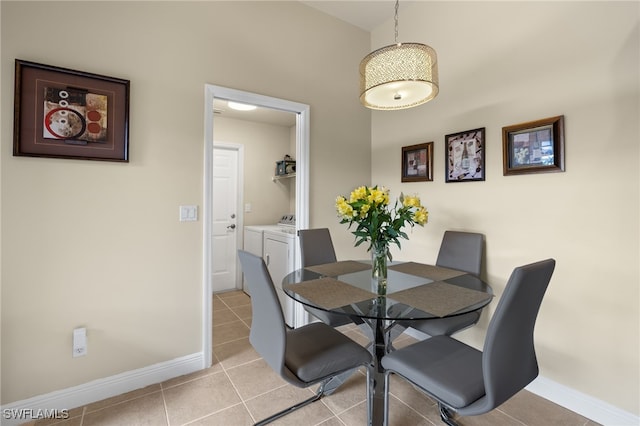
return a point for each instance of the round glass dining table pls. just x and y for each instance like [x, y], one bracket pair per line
[414, 291]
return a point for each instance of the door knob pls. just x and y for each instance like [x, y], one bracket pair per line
[232, 226]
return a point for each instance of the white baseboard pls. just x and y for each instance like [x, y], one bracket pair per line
[19, 412]
[585, 405]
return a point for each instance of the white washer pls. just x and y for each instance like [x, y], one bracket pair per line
[279, 254]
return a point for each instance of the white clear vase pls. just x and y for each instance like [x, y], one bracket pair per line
[379, 256]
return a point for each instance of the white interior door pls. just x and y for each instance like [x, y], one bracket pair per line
[224, 224]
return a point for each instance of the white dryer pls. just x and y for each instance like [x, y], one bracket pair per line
[276, 244]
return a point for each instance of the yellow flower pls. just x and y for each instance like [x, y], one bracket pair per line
[378, 222]
[411, 201]
[344, 209]
[364, 209]
[377, 196]
[421, 216]
[358, 194]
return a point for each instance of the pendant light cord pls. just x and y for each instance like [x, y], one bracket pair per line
[396, 19]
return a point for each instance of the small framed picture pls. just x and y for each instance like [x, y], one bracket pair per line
[63, 113]
[465, 156]
[533, 147]
[417, 162]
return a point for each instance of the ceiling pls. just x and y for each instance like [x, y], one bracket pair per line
[366, 14]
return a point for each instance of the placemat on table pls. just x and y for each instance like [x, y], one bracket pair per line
[329, 292]
[439, 298]
[436, 273]
[339, 268]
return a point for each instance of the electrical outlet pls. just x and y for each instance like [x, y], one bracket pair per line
[79, 342]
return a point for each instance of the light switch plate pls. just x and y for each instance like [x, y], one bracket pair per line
[188, 213]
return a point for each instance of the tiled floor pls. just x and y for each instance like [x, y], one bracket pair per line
[240, 389]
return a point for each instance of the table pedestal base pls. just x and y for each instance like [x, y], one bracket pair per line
[379, 331]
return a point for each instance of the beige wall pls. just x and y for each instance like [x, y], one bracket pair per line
[264, 144]
[99, 244]
[505, 63]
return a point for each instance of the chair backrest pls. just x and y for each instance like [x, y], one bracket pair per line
[268, 333]
[509, 360]
[462, 251]
[316, 247]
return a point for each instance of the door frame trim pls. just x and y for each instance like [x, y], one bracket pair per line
[302, 187]
[239, 148]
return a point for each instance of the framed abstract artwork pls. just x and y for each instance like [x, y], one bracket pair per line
[533, 147]
[63, 113]
[464, 160]
[417, 163]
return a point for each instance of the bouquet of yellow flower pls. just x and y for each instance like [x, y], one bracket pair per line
[379, 223]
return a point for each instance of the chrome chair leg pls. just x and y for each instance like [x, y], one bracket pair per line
[386, 399]
[336, 381]
[446, 416]
[319, 394]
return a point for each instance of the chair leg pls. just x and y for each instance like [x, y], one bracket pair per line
[335, 382]
[319, 394]
[445, 415]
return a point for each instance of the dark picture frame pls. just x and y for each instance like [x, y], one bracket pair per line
[417, 162]
[533, 147]
[64, 113]
[465, 156]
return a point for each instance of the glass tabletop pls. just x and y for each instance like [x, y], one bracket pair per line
[414, 291]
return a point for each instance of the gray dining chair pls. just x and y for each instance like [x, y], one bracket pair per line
[311, 354]
[462, 251]
[316, 248]
[467, 381]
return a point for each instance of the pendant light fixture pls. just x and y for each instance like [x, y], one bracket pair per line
[399, 76]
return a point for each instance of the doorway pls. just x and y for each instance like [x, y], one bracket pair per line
[302, 185]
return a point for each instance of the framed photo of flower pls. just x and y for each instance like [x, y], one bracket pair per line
[64, 113]
[465, 156]
[533, 147]
[417, 163]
